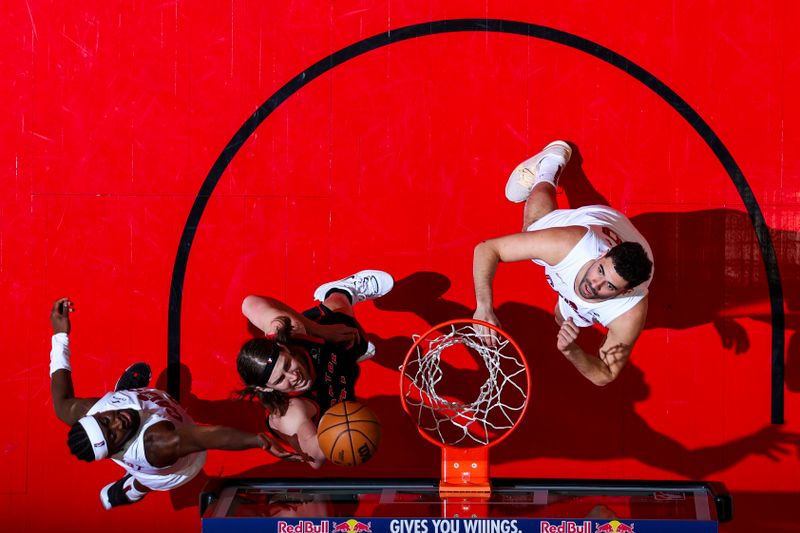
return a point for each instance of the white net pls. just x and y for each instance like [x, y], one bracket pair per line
[465, 412]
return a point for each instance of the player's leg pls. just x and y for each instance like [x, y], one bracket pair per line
[338, 298]
[338, 309]
[541, 201]
[534, 181]
[338, 301]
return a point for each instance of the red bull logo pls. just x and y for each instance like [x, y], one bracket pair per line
[615, 526]
[566, 526]
[303, 526]
[352, 526]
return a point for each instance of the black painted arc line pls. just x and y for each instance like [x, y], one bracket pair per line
[497, 26]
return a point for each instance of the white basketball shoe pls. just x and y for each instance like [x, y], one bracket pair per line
[369, 353]
[526, 175]
[361, 286]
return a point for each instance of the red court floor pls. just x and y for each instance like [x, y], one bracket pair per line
[128, 189]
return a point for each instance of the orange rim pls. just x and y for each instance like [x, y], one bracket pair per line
[520, 354]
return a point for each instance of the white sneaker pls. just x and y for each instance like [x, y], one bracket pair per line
[368, 354]
[523, 179]
[362, 286]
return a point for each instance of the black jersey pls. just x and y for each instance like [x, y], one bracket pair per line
[336, 372]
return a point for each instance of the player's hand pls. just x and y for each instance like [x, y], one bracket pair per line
[59, 315]
[489, 336]
[270, 445]
[565, 341]
[339, 334]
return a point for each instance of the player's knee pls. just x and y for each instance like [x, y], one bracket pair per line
[339, 302]
[528, 222]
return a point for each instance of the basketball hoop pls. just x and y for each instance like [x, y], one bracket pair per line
[465, 383]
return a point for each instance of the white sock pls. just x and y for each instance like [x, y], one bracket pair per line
[548, 169]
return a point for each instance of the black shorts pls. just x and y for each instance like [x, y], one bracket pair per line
[322, 315]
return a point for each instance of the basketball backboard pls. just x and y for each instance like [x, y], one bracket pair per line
[415, 506]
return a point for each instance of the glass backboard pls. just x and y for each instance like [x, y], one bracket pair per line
[415, 506]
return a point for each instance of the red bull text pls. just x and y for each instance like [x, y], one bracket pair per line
[566, 526]
[304, 526]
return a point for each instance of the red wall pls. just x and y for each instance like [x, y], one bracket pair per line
[115, 112]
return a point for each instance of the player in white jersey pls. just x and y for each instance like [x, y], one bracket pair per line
[594, 258]
[143, 430]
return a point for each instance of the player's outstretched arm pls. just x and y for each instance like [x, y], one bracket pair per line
[68, 408]
[297, 426]
[615, 350]
[165, 444]
[548, 245]
[263, 312]
[484, 266]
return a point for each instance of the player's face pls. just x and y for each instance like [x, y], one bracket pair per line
[118, 427]
[601, 281]
[291, 373]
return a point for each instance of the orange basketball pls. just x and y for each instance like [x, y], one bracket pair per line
[349, 433]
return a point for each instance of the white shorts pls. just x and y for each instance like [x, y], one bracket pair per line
[170, 481]
[590, 215]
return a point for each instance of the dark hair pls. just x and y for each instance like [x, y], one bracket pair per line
[79, 444]
[631, 262]
[255, 362]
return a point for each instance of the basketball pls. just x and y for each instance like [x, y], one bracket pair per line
[349, 433]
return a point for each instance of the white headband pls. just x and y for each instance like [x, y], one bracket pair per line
[96, 437]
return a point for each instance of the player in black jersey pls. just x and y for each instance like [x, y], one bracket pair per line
[307, 362]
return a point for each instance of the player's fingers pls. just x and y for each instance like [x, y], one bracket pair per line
[57, 304]
[65, 306]
[286, 456]
[570, 327]
[279, 452]
[295, 457]
[491, 337]
[269, 445]
[487, 335]
[565, 337]
[495, 338]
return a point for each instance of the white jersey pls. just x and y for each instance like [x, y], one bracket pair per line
[154, 406]
[606, 228]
